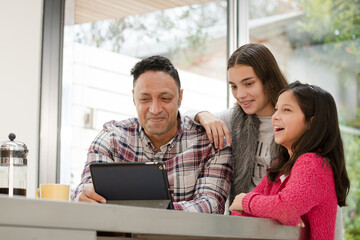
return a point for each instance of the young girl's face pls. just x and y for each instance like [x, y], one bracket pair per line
[249, 92]
[288, 120]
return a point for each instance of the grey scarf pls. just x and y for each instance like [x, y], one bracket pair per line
[244, 137]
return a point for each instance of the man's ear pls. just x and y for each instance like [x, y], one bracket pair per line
[180, 97]
[133, 96]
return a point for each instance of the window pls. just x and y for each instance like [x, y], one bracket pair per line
[102, 42]
[314, 41]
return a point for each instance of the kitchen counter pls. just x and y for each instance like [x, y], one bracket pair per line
[24, 218]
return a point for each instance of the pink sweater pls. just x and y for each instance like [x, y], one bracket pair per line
[308, 192]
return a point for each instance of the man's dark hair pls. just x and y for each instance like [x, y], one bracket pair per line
[155, 63]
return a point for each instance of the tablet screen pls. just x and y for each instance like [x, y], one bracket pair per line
[131, 181]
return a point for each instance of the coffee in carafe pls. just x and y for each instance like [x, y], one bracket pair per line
[13, 167]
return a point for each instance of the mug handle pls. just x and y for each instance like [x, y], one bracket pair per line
[37, 193]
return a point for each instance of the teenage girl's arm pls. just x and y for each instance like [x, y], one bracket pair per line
[216, 125]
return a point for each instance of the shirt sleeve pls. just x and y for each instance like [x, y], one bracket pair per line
[309, 182]
[99, 151]
[212, 186]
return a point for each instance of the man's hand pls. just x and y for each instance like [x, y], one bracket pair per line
[215, 129]
[89, 195]
[236, 205]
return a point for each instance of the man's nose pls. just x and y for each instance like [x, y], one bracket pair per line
[155, 107]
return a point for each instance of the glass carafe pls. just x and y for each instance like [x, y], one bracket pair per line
[13, 167]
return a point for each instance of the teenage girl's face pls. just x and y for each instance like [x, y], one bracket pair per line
[288, 120]
[248, 91]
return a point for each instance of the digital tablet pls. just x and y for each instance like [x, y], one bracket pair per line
[132, 183]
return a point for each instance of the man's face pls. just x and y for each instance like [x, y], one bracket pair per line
[157, 100]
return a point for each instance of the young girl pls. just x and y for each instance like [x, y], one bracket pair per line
[308, 178]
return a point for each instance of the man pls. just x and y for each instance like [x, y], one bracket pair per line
[199, 175]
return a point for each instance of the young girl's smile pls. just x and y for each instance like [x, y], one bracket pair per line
[288, 120]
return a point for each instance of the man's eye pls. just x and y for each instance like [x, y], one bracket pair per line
[166, 99]
[144, 99]
[232, 86]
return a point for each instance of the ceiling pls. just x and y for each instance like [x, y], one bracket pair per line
[95, 10]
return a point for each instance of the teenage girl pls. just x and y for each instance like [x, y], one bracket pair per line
[256, 80]
[308, 179]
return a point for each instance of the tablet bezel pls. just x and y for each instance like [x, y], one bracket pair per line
[148, 186]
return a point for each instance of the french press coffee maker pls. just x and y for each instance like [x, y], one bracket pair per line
[13, 167]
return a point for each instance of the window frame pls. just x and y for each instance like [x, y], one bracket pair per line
[50, 93]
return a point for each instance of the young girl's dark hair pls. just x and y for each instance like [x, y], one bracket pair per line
[322, 137]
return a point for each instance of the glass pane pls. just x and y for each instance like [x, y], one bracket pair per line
[259, 9]
[318, 42]
[99, 52]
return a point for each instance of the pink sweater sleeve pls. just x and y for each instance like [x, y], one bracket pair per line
[308, 183]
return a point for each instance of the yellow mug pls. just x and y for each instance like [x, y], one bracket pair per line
[53, 191]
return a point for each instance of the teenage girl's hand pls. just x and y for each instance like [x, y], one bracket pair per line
[236, 205]
[215, 129]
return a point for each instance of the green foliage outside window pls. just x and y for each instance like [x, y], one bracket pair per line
[351, 212]
[335, 26]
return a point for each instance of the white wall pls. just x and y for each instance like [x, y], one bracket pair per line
[20, 62]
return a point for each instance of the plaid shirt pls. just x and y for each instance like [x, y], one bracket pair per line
[199, 175]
